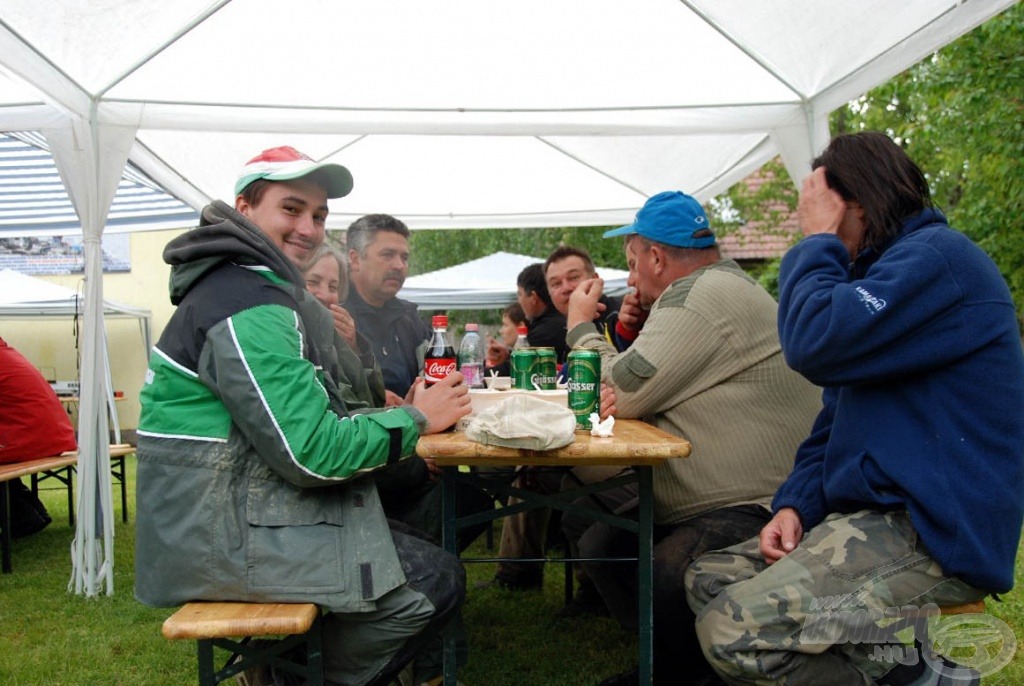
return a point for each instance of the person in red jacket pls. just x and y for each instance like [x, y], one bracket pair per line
[33, 424]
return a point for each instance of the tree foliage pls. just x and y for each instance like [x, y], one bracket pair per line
[767, 204]
[435, 249]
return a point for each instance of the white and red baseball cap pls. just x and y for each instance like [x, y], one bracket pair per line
[285, 163]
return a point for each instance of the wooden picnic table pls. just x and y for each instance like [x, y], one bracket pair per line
[634, 444]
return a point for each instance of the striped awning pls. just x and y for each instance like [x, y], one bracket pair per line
[34, 202]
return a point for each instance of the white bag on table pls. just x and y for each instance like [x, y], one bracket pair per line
[522, 421]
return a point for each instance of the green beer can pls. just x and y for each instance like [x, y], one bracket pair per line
[584, 379]
[524, 364]
[547, 368]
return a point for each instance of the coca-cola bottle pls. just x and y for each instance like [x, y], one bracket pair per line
[440, 359]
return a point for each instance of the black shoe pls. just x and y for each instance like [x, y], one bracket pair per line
[630, 678]
[709, 679]
[923, 674]
[28, 516]
[903, 675]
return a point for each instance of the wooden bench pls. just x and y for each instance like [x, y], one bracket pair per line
[60, 468]
[221, 624]
[975, 608]
[118, 452]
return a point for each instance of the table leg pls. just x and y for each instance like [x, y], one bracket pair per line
[646, 571]
[449, 541]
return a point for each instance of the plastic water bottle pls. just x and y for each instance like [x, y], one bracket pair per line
[471, 357]
[521, 341]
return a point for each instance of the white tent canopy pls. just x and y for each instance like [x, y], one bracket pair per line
[484, 283]
[456, 113]
[461, 113]
[24, 296]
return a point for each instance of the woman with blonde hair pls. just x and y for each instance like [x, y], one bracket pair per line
[326, 275]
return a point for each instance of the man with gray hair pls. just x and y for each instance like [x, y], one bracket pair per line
[378, 255]
[706, 365]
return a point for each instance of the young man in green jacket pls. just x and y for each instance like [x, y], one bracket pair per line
[252, 479]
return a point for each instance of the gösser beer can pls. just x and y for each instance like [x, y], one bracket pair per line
[547, 369]
[584, 385]
[524, 364]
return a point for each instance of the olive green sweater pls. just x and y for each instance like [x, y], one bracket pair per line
[707, 366]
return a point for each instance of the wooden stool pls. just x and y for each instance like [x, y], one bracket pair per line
[975, 608]
[217, 624]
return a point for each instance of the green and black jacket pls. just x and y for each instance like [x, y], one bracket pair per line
[249, 481]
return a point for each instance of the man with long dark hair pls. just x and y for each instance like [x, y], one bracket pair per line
[908, 490]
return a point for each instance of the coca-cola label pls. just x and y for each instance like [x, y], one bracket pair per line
[437, 368]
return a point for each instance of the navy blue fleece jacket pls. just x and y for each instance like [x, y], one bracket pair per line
[918, 350]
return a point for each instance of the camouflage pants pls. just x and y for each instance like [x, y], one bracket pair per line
[813, 616]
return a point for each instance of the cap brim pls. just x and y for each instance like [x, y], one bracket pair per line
[336, 179]
[621, 231]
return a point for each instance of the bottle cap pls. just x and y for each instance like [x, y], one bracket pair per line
[471, 327]
[439, 321]
[521, 330]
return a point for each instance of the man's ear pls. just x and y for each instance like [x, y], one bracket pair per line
[657, 257]
[242, 206]
[353, 261]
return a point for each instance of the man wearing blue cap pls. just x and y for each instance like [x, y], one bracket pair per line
[706, 365]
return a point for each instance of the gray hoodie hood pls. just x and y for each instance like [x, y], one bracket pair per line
[223, 235]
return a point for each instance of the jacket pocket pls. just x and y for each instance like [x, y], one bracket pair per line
[632, 371]
[294, 538]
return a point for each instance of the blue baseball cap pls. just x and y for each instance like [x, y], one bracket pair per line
[672, 218]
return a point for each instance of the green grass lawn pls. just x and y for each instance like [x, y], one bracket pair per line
[56, 638]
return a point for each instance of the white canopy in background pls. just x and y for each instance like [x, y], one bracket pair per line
[24, 296]
[484, 283]
[455, 113]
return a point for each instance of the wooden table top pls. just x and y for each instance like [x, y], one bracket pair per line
[634, 443]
